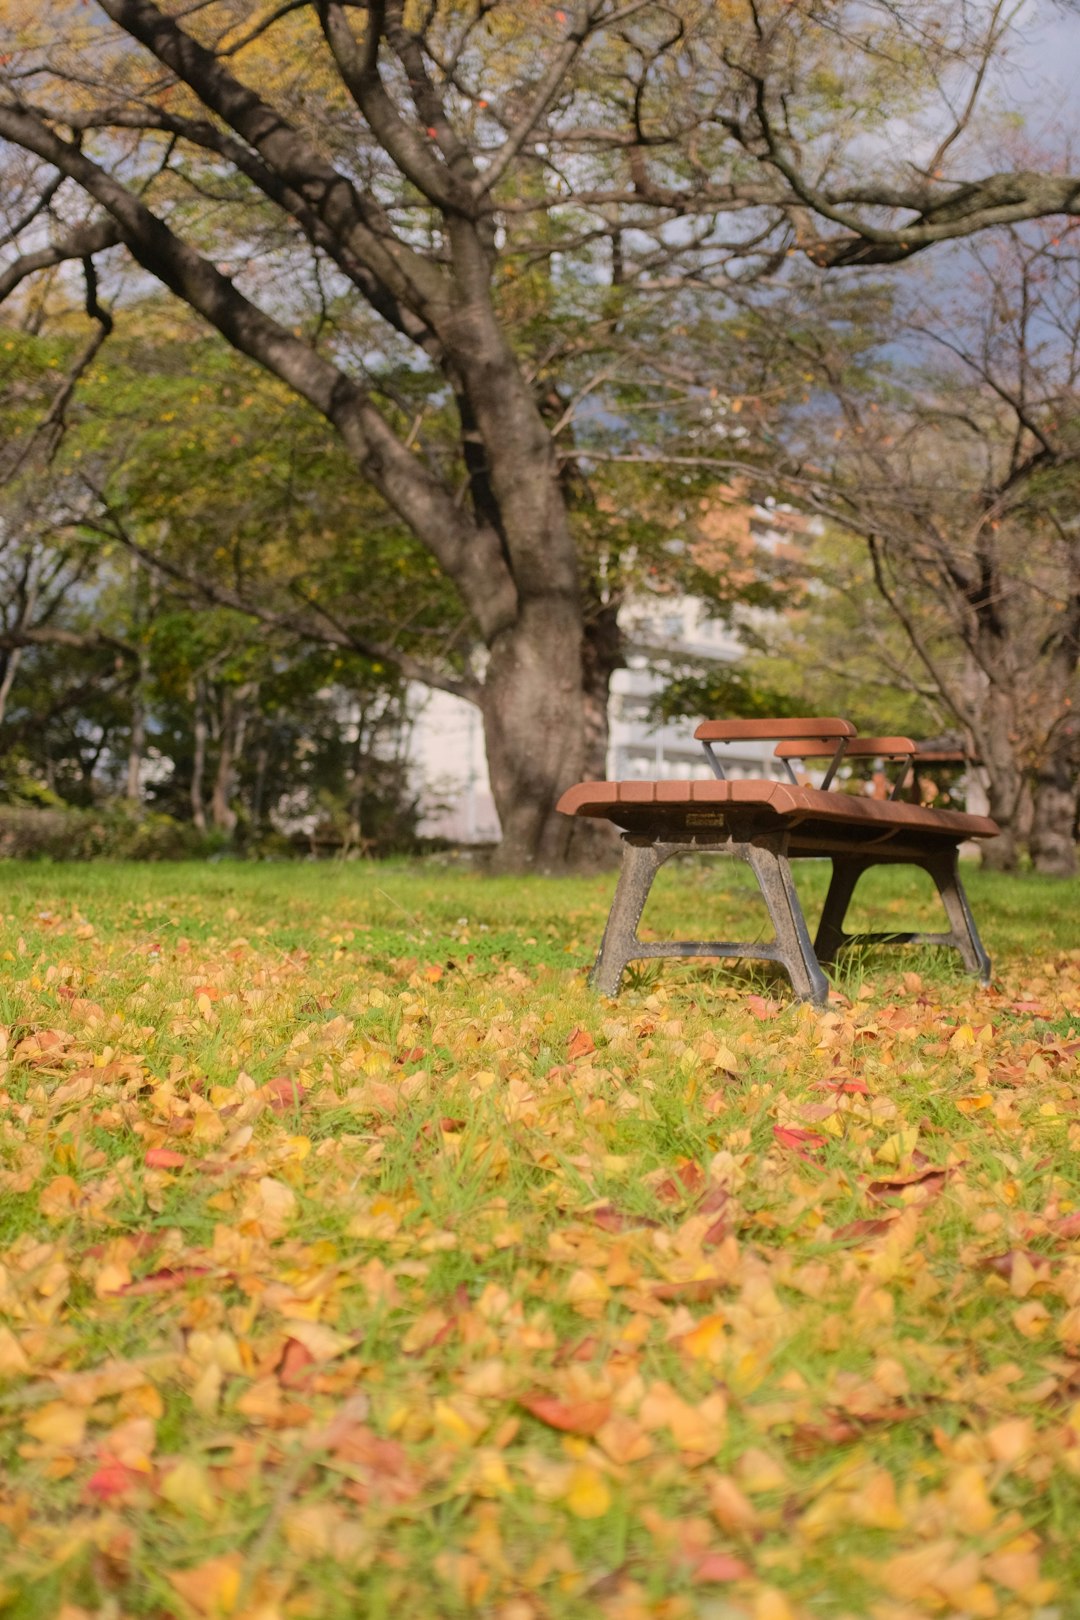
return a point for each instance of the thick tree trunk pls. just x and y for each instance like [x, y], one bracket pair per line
[1053, 827]
[1006, 783]
[534, 728]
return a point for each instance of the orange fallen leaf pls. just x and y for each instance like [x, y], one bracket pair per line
[164, 1159]
[579, 1045]
[211, 1588]
[719, 1567]
[571, 1417]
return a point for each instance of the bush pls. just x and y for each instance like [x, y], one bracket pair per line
[67, 834]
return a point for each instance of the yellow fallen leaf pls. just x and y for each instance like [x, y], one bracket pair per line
[187, 1487]
[1011, 1440]
[969, 1504]
[455, 1424]
[211, 1588]
[322, 1342]
[706, 1341]
[112, 1277]
[731, 1509]
[874, 1503]
[272, 1204]
[899, 1147]
[1031, 1319]
[623, 1440]
[207, 1390]
[58, 1425]
[588, 1496]
[771, 1604]
[13, 1359]
[758, 1473]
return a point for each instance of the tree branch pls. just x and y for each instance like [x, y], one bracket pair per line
[78, 244]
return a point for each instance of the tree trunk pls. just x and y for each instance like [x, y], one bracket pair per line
[1006, 782]
[595, 843]
[198, 764]
[1053, 842]
[137, 740]
[234, 716]
[222, 813]
[10, 665]
[534, 728]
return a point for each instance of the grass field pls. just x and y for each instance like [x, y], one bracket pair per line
[356, 1260]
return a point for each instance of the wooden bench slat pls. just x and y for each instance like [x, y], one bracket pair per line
[856, 748]
[793, 804]
[817, 728]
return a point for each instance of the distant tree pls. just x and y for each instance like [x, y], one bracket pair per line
[468, 235]
[947, 437]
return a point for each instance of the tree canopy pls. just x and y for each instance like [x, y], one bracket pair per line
[477, 240]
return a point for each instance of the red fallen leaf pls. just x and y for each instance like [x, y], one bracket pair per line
[415, 1054]
[111, 1481]
[848, 1087]
[583, 1350]
[718, 1566]
[141, 1243]
[283, 1093]
[861, 1229]
[207, 990]
[687, 1179]
[579, 1045]
[164, 1159]
[164, 1281]
[1035, 1007]
[293, 1368]
[762, 1009]
[930, 1180]
[1068, 1226]
[388, 1475]
[694, 1292]
[716, 1234]
[570, 1417]
[790, 1136]
[1002, 1264]
[810, 1438]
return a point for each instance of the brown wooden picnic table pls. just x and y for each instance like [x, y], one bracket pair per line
[768, 824]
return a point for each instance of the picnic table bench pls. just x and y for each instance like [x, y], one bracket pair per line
[768, 824]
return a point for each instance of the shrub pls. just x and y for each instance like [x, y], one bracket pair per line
[67, 834]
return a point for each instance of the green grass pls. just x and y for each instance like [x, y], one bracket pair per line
[466, 1206]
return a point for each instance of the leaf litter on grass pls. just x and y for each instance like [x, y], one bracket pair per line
[331, 1288]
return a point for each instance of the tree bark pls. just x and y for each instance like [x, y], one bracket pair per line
[198, 764]
[1053, 827]
[534, 730]
[222, 814]
[137, 740]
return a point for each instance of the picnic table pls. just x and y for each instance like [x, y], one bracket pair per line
[769, 823]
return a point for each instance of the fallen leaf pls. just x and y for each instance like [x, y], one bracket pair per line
[571, 1417]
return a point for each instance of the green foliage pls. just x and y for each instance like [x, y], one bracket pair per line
[113, 831]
